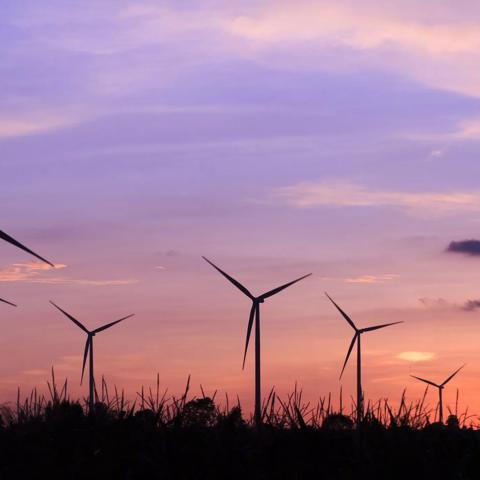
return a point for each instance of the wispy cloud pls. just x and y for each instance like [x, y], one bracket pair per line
[372, 278]
[29, 126]
[432, 48]
[442, 304]
[30, 271]
[348, 194]
[36, 272]
[415, 356]
[439, 303]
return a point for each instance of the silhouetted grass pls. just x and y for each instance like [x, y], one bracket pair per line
[162, 436]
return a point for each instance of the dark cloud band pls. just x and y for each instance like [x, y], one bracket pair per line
[467, 247]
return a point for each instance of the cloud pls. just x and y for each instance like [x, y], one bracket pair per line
[30, 271]
[372, 278]
[442, 304]
[434, 302]
[438, 46]
[348, 194]
[34, 272]
[467, 247]
[441, 50]
[471, 305]
[28, 126]
[416, 356]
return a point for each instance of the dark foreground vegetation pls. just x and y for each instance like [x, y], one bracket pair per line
[181, 438]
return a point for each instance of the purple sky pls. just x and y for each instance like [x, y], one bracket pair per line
[277, 138]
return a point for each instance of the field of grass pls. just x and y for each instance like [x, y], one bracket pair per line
[160, 436]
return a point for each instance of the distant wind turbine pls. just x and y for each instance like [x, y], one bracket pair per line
[255, 316]
[356, 338]
[89, 350]
[12, 241]
[440, 390]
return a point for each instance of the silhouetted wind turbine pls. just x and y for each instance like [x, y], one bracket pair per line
[89, 349]
[12, 241]
[356, 338]
[440, 389]
[255, 315]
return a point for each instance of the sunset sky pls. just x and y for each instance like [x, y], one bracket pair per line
[277, 138]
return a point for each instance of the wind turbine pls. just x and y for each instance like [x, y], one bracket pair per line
[356, 338]
[11, 240]
[440, 390]
[89, 350]
[255, 316]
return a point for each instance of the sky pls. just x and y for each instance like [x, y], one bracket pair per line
[277, 138]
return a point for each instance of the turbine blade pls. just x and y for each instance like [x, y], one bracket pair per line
[426, 381]
[283, 287]
[350, 348]
[74, 320]
[85, 354]
[231, 279]
[369, 329]
[451, 376]
[249, 331]
[345, 316]
[108, 325]
[7, 302]
[12, 241]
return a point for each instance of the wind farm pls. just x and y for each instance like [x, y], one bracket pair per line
[181, 184]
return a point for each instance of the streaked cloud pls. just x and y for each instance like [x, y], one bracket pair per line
[30, 126]
[30, 271]
[36, 272]
[372, 278]
[348, 194]
[416, 356]
[432, 48]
